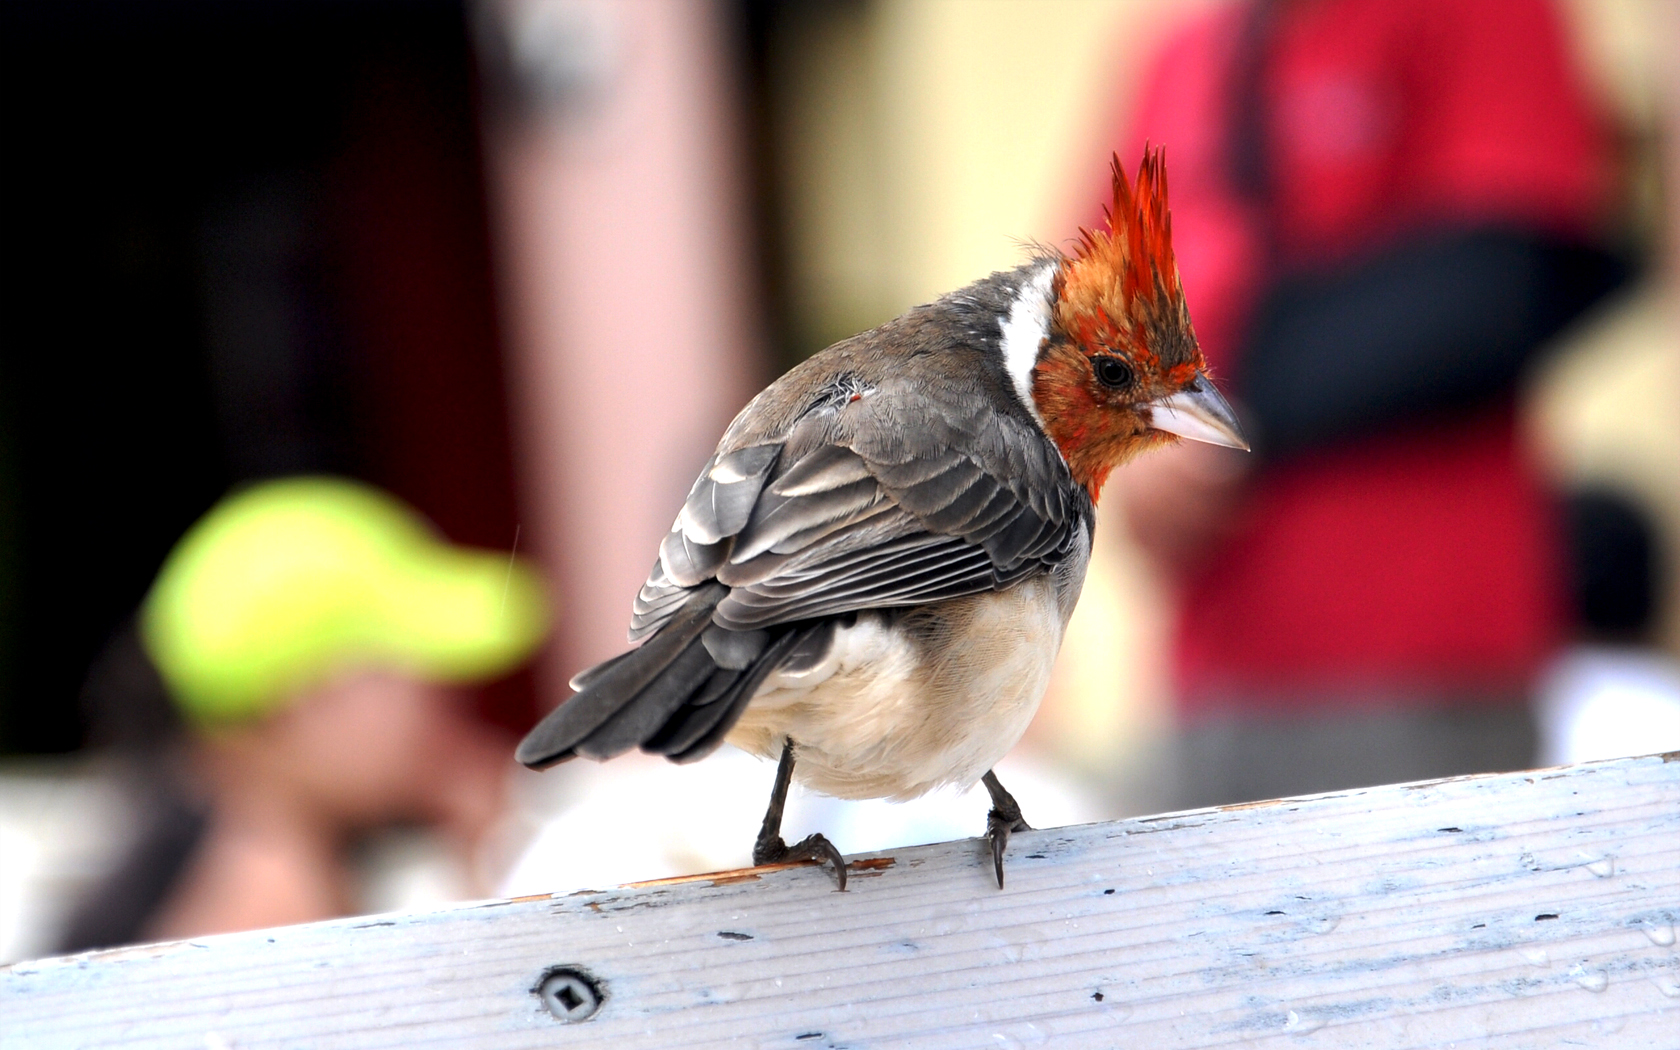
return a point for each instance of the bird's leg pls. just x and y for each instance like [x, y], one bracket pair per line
[1002, 821]
[770, 849]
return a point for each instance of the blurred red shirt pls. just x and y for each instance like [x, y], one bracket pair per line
[1421, 559]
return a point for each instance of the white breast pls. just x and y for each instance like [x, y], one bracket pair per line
[914, 700]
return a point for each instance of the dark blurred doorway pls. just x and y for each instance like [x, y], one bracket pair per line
[238, 240]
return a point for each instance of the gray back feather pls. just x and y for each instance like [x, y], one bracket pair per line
[847, 485]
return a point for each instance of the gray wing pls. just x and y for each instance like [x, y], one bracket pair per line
[891, 496]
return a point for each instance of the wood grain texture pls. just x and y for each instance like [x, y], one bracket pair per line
[1522, 910]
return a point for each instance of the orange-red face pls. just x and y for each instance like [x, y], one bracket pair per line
[1120, 339]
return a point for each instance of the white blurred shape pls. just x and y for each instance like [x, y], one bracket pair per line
[17, 872]
[62, 826]
[563, 49]
[409, 869]
[1598, 702]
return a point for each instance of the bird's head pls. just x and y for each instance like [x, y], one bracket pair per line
[1118, 370]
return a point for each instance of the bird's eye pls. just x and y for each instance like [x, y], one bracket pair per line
[1112, 372]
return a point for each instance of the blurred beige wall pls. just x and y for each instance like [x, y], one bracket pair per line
[924, 141]
[1605, 409]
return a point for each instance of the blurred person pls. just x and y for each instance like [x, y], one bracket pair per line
[1612, 692]
[1382, 208]
[289, 683]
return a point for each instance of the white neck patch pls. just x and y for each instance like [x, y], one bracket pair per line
[1025, 330]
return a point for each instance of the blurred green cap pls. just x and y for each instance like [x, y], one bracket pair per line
[286, 583]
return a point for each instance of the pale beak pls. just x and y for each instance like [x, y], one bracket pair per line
[1199, 413]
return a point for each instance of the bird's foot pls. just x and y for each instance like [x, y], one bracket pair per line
[1003, 821]
[812, 847]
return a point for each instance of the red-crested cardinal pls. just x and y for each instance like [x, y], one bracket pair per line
[873, 573]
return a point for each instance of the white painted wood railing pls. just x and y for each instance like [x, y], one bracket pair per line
[1517, 910]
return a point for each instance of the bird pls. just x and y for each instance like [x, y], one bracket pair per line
[871, 577]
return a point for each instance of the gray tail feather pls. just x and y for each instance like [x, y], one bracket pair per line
[669, 696]
[696, 729]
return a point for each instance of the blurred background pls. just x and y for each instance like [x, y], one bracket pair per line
[514, 264]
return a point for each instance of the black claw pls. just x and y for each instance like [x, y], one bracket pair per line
[1000, 838]
[811, 847]
[999, 826]
[823, 850]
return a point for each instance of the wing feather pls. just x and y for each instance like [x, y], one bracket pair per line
[778, 518]
[897, 498]
[725, 493]
[829, 467]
